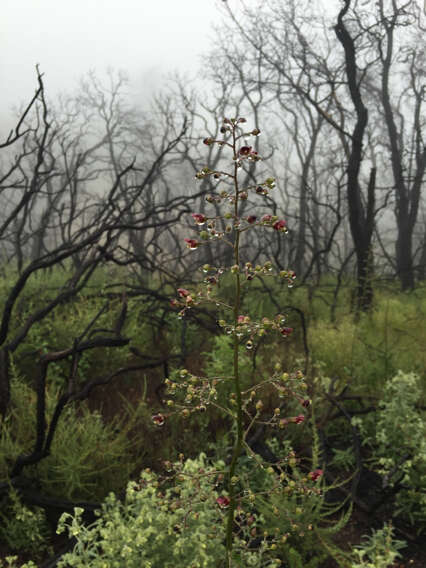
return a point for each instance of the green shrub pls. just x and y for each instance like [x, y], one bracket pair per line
[400, 446]
[176, 525]
[367, 353]
[298, 511]
[21, 528]
[12, 562]
[57, 331]
[88, 458]
[380, 550]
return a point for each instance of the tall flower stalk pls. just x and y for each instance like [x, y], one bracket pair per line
[245, 407]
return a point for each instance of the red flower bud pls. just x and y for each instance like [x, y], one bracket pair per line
[245, 150]
[158, 419]
[199, 218]
[251, 219]
[298, 419]
[223, 502]
[266, 218]
[280, 226]
[183, 292]
[191, 243]
[316, 474]
[286, 331]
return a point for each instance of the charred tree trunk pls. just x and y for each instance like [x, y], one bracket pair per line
[407, 190]
[361, 221]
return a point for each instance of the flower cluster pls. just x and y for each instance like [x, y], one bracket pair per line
[246, 328]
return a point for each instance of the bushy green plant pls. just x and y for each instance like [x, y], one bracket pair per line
[379, 550]
[168, 523]
[89, 457]
[298, 511]
[21, 528]
[400, 445]
[12, 562]
[365, 354]
[57, 330]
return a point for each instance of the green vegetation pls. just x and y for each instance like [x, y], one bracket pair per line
[94, 453]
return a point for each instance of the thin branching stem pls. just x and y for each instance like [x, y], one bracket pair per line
[238, 398]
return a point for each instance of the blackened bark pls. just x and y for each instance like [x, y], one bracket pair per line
[303, 205]
[407, 198]
[361, 221]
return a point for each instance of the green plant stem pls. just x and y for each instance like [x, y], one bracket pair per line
[239, 416]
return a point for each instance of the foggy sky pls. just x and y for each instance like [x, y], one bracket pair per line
[145, 38]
